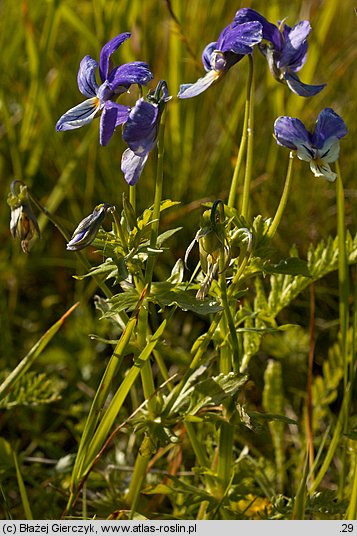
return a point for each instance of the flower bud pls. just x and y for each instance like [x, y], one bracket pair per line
[23, 224]
[86, 231]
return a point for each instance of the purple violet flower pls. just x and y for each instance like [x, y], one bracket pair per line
[285, 50]
[141, 130]
[320, 147]
[102, 98]
[234, 42]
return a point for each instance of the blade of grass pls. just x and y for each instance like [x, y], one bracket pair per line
[352, 507]
[6, 507]
[336, 438]
[111, 413]
[99, 400]
[22, 488]
[344, 288]
[33, 354]
[87, 455]
[300, 497]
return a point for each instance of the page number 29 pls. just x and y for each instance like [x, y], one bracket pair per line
[347, 527]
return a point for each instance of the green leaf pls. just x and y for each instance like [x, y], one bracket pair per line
[269, 417]
[32, 389]
[158, 489]
[109, 268]
[194, 494]
[125, 301]
[211, 391]
[220, 387]
[177, 272]
[165, 235]
[291, 265]
[167, 294]
[6, 460]
[22, 488]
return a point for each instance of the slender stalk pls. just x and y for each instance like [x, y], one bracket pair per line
[119, 231]
[300, 496]
[203, 462]
[241, 268]
[196, 445]
[352, 507]
[132, 197]
[243, 141]
[343, 272]
[250, 139]
[143, 458]
[157, 201]
[335, 440]
[228, 315]
[139, 474]
[146, 371]
[227, 361]
[343, 280]
[22, 488]
[225, 454]
[225, 358]
[309, 399]
[84, 502]
[283, 200]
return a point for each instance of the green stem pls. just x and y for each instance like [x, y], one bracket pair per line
[343, 272]
[119, 230]
[240, 271]
[243, 141]
[22, 488]
[283, 200]
[157, 201]
[132, 197]
[196, 445]
[226, 432]
[225, 358]
[139, 474]
[225, 454]
[228, 315]
[343, 280]
[352, 507]
[335, 440]
[250, 139]
[146, 372]
[203, 461]
[143, 457]
[147, 378]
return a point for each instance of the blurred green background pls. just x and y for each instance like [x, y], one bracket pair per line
[42, 43]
